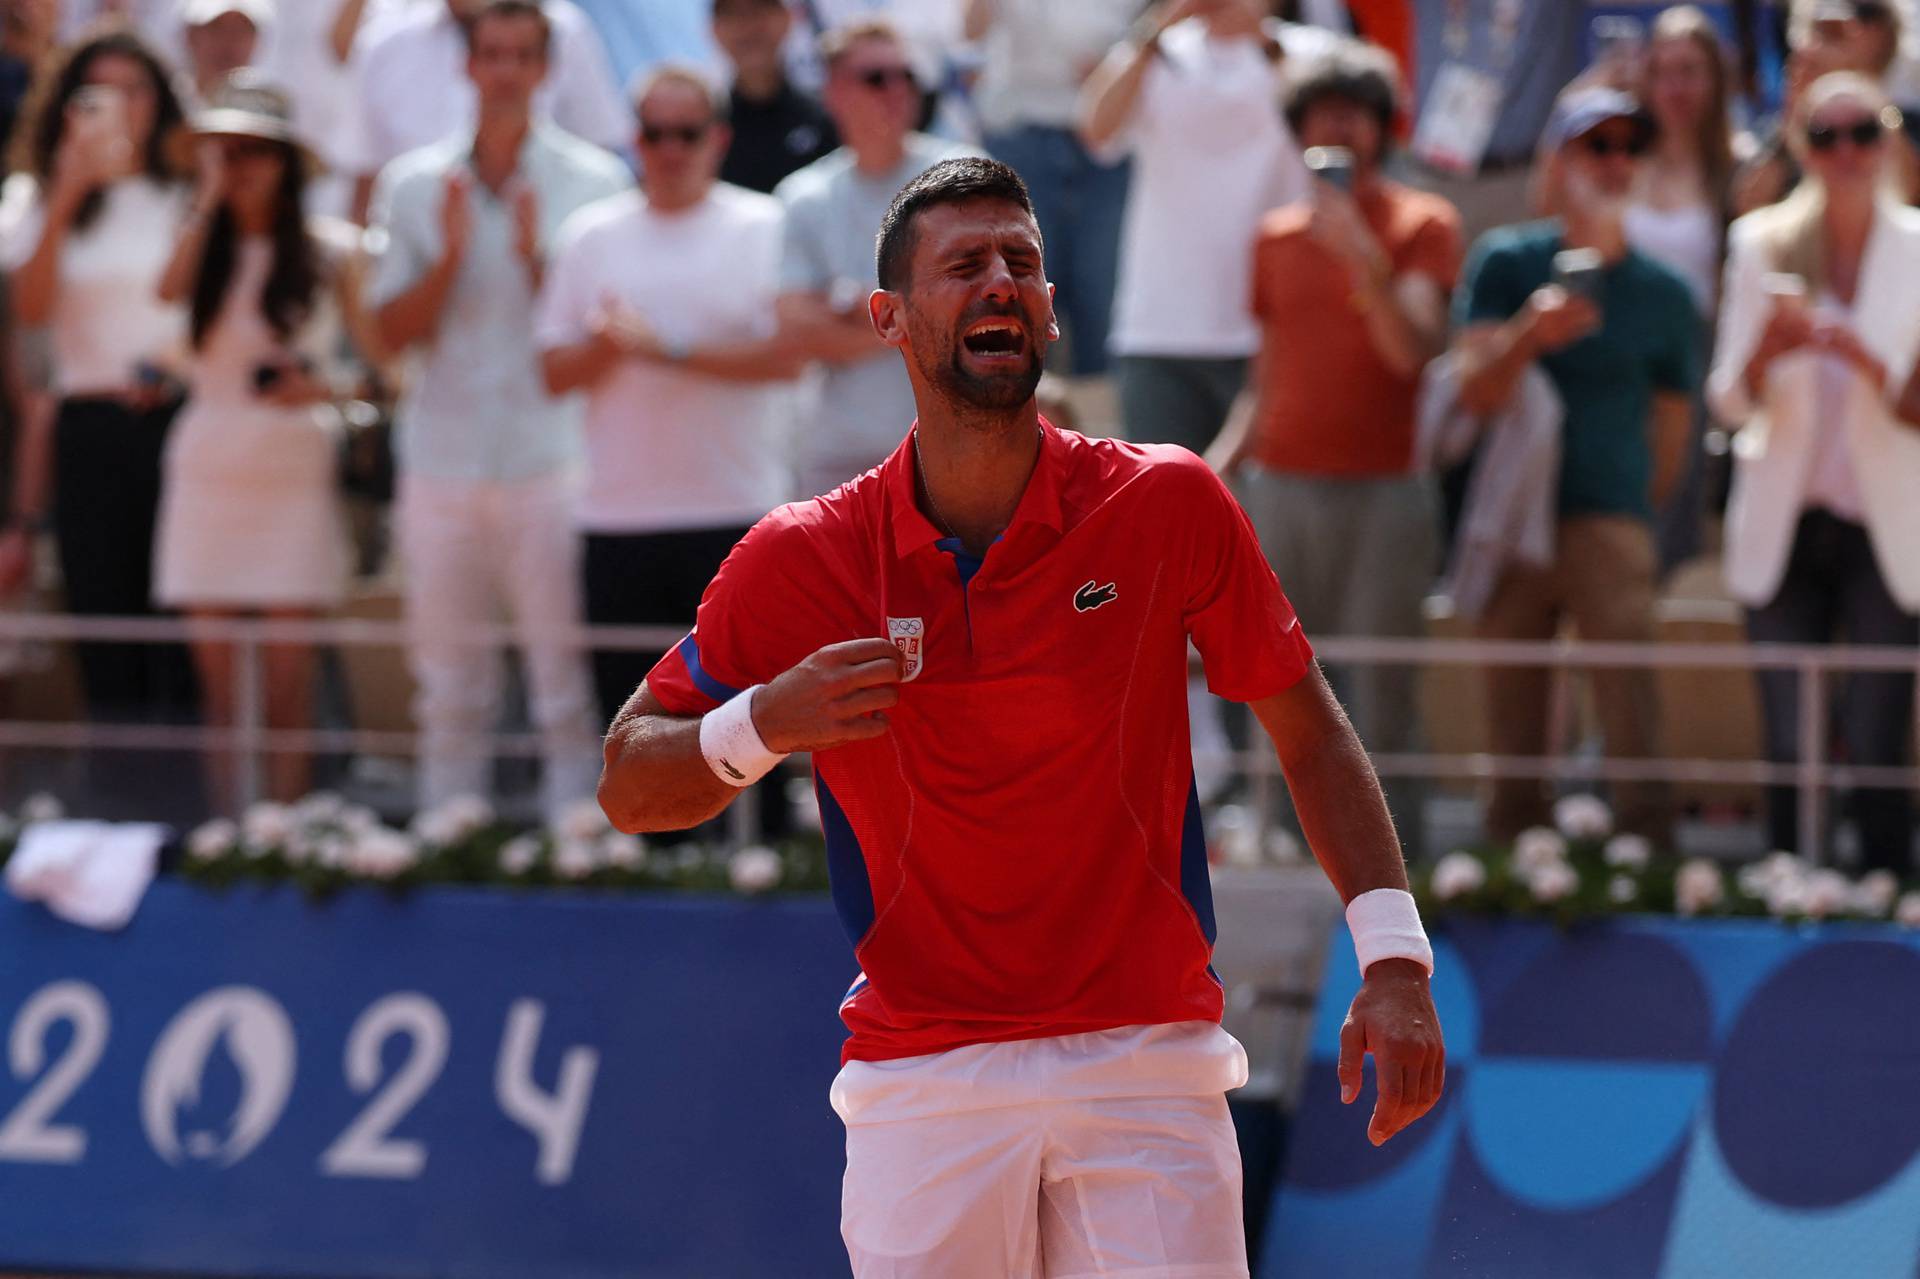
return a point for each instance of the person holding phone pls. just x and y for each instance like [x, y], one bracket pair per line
[85, 229]
[250, 520]
[1817, 339]
[1619, 339]
[1350, 286]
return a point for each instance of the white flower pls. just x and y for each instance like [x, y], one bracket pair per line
[1456, 875]
[1875, 894]
[583, 821]
[1552, 881]
[622, 851]
[322, 808]
[520, 854]
[1907, 910]
[1628, 852]
[447, 824]
[213, 840]
[330, 850]
[755, 870]
[42, 807]
[1236, 837]
[266, 826]
[1786, 897]
[575, 859]
[1583, 817]
[1698, 887]
[1622, 889]
[1828, 893]
[382, 854]
[1538, 847]
[1761, 877]
[301, 847]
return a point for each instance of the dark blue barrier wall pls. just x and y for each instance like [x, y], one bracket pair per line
[1689, 1100]
[509, 1084]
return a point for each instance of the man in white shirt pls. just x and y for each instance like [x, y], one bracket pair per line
[1191, 97]
[486, 457]
[660, 306]
[834, 207]
[410, 89]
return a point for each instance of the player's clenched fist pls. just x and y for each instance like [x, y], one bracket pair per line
[838, 695]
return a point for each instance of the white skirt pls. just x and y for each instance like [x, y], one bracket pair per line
[250, 536]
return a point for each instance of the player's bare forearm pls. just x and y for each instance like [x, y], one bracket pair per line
[1346, 821]
[654, 777]
[1335, 792]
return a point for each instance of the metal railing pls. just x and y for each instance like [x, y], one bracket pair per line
[250, 738]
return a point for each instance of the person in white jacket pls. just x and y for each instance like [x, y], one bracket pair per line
[1817, 335]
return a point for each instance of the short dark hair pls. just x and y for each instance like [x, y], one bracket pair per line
[1353, 72]
[948, 182]
[512, 9]
[745, 5]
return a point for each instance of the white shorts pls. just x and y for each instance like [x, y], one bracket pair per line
[1106, 1154]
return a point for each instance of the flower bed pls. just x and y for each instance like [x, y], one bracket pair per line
[1581, 868]
[323, 843]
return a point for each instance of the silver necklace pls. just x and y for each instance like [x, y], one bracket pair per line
[939, 517]
[940, 520]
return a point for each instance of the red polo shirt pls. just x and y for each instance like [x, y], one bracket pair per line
[1021, 855]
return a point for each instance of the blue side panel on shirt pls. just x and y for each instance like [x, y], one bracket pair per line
[846, 866]
[1194, 881]
[690, 654]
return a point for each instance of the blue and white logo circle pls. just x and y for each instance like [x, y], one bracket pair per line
[250, 1028]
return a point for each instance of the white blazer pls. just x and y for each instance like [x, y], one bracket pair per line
[1774, 447]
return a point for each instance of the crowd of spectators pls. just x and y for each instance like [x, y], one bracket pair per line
[1537, 302]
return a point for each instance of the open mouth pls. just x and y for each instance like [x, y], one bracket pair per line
[997, 339]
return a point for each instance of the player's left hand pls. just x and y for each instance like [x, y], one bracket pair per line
[1393, 1018]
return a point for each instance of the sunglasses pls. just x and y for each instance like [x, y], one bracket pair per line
[880, 79]
[1869, 12]
[1862, 133]
[687, 135]
[248, 148]
[1601, 146]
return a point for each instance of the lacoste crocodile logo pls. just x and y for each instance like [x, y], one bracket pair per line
[1090, 596]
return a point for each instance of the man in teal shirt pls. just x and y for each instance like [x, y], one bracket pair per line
[1625, 361]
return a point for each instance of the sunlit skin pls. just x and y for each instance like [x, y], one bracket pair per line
[873, 121]
[1607, 177]
[218, 48]
[753, 35]
[679, 171]
[975, 317]
[507, 62]
[137, 93]
[1679, 86]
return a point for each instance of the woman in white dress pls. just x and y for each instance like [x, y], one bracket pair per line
[250, 517]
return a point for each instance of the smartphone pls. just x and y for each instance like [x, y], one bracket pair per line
[1581, 272]
[1616, 40]
[1331, 164]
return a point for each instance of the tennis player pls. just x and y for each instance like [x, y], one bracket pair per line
[983, 643]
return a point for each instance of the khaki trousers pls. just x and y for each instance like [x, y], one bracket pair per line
[1603, 581]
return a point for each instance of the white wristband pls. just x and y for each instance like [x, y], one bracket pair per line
[1385, 924]
[732, 744]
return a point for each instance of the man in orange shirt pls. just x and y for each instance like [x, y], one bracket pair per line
[1350, 288]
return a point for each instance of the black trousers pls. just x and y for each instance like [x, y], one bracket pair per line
[105, 499]
[1833, 591]
[646, 579]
